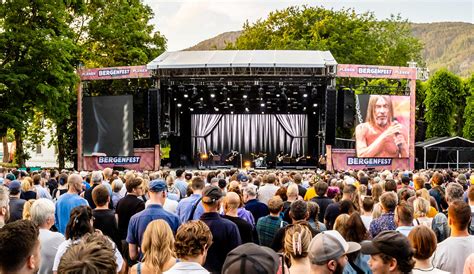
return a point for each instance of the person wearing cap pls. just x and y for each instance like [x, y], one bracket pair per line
[68, 201]
[16, 203]
[225, 233]
[451, 253]
[154, 211]
[8, 178]
[327, 252]
[250, 258]
[390, 252]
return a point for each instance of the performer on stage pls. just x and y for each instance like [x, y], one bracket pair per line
[381, 135]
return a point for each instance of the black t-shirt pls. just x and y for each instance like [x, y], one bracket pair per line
[88, 196]
[301, 191]
[105, 221]
[323, 203]
[16, 209]
[332, 211]
[126, 208]
[28, 195]
[244, 227]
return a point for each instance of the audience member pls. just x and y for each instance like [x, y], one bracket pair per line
[68, 201]
[42, 215]
[225, 233]
[190, 208]
[268, 226]
[193, 240]
[386, 221]
[16, 203]
[297, 239]
[451, 253]
[104, 217]
[250, 258]
[328, 251]
[4, 206]
[20, 248]
[157, 249]
[333, 209]
[404, 218]
[390, 252]
[423, 241]
[256, 207]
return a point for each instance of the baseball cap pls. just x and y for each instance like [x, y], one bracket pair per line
[391, 243]
[244, 179]
[250, 258]
[157, 186]
[10, 177]
[330, 245]
[211, 194]
[14, 185]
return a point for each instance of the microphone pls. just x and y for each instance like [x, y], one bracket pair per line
[399, 146]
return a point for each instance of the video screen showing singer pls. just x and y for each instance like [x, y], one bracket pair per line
[383, 135]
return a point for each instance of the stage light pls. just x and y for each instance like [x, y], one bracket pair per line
[185, 95]
[314, 112]
[315, 105]
[231, 105]
[262, 105]
[202, 99]
[278, 95]
[304, 108]
[191, 109]
[228, 98]
[244, 96]
[213, 95]
[170, 89]
[175, 99]
[204, 156]
[263, 112]
[247, 164]
[305, 95]
[247, 109]
[231, 112]
[216, 109]
[179, 105]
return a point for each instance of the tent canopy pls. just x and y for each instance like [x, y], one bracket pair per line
[243, 58]
[447, 143]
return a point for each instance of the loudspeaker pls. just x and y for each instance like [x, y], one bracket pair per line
[331, 110]
[345, 108]
[154, 106]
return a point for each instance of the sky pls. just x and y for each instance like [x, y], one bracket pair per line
[187, 22]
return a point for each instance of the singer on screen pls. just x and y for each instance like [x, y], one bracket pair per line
[381, 135]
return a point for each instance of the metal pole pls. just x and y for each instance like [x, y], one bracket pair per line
[79, 127]
[424, 157]
[457, 159]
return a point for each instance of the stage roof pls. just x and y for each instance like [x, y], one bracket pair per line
[243, 59]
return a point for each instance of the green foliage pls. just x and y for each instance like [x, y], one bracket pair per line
[468, 130]
[351, 37]
[442, 91]
[37, 62]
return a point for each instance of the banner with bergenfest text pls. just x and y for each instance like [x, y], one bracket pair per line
[114, 73]
[345, 70]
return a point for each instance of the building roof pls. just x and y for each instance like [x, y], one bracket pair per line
[243, 58]
[452, 141]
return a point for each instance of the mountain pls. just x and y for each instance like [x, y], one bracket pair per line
[447, 44]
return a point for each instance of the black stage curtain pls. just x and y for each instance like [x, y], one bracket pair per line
[246, 133]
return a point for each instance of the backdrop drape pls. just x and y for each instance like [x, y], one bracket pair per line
[249, 133]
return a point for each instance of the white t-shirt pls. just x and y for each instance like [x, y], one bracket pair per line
[451, 254]
[366, 220]
[266, 192]
[50, 242]
[432, 270]
[186, 267]
[66, 244]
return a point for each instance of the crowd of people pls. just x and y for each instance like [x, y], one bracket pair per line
[236, 221]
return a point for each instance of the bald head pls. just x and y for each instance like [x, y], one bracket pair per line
[75, 182]
[232, 200]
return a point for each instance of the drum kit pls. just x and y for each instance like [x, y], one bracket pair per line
[259, 160]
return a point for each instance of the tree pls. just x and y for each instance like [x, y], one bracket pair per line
[468, 130]
[350, 37]
[36, 69]
[442, 89]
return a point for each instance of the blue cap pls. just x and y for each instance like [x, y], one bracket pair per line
[14, 185]
[157, 186]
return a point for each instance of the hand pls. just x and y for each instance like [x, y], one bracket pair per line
[394, 129]
[399, 140]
